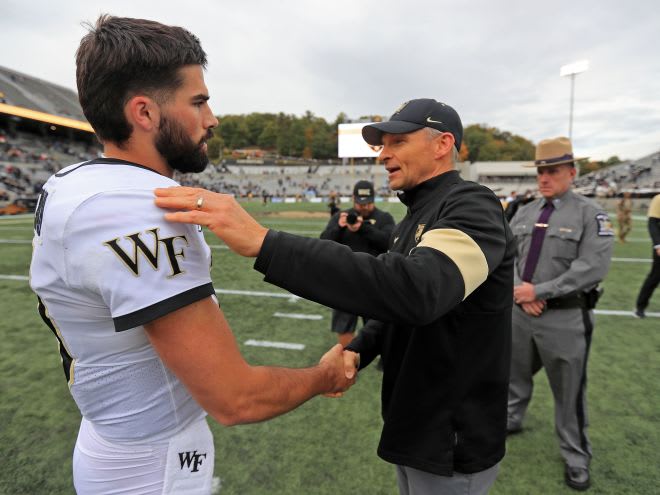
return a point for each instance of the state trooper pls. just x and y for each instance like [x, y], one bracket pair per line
[564, 244]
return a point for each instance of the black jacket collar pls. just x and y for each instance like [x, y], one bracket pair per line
[416, 197]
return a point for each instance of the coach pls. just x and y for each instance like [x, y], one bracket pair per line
[439, 301]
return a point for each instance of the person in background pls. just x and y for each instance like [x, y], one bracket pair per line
[366, 229]
[333, 203]
[517, 202]
[653, 278]
[564, 243]
[624, 216]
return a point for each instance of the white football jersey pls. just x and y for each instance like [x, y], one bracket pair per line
[104, 263]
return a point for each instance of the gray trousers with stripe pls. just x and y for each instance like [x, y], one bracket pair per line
[559, 342]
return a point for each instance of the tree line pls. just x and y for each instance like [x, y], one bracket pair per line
[309, 136]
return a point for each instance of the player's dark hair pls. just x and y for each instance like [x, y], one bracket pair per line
[120, 58]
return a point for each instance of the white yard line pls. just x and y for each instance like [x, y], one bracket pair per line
[298, 316]
[294, 298]
[284, 295]
[618, 312]
[631, 260]
[277, 345]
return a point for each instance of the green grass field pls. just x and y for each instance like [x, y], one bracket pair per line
[327, 446]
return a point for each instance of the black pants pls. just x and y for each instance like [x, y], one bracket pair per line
[650, 283]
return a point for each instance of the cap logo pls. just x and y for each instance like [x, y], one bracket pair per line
[401, 107]
[364, 192]
[429, 119]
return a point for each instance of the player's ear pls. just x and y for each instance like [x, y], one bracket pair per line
[142, 112]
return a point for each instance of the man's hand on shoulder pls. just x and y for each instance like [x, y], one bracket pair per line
[221, 213]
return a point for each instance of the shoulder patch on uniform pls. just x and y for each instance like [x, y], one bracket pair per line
[604, 225]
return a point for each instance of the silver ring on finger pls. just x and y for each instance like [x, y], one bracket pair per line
[200, 203]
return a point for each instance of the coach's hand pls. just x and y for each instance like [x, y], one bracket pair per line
[348, 362]
[221, 213]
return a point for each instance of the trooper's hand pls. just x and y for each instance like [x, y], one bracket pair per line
[534, 308]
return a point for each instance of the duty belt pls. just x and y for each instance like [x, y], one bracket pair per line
[567, 302]
[585, 300]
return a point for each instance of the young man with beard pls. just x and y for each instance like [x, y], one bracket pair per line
[146, 350]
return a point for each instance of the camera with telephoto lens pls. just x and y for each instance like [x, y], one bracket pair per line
[351, 218]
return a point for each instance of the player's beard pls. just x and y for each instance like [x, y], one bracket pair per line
[180, 152]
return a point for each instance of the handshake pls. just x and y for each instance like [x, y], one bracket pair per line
[341, 368]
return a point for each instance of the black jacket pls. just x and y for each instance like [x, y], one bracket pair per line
[373, 236]
[442, 296]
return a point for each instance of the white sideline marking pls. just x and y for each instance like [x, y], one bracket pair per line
[278, 345]
[294, 298]
[298, 316]
[14, 241]
[632, 260]
[285, 295]
[14, 277]
[618, 312]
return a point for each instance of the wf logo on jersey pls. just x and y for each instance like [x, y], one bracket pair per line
[139, 248]
[191, 460]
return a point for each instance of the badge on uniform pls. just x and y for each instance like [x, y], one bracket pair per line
[604, 225]
[419, 232]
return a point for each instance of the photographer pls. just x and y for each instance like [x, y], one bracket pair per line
[364, 228]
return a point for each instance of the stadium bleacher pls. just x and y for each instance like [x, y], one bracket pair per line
[39, 149]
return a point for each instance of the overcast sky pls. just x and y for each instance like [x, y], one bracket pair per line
[496, 61]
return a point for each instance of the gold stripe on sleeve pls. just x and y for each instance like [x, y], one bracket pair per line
[463, 251]
[654, 209]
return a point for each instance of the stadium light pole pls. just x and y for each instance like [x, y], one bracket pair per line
[572, 70]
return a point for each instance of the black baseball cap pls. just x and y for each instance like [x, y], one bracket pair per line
[363, 192]
[414, 115]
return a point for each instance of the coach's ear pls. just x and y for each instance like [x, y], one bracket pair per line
[143, 113]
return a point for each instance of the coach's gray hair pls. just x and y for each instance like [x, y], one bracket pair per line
[433, 133]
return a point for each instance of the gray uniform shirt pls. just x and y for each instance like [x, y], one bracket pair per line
[576, 249]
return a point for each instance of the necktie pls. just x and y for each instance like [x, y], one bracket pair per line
[537, 241]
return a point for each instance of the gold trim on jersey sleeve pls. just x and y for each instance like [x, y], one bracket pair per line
[463, 251]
